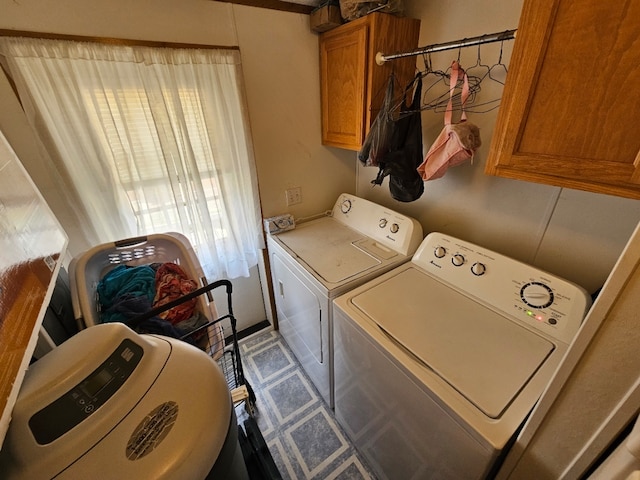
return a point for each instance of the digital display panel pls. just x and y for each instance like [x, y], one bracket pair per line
[92, 386]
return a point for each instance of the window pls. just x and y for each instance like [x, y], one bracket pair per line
[142, 172]
[147, 140]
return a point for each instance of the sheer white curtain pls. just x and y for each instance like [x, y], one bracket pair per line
[146, 140]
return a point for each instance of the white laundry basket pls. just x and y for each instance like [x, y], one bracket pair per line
[86, 271]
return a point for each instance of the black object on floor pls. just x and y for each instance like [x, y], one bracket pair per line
[257, 457]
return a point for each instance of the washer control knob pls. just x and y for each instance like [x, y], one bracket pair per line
[536, 295]
[458, 259]
[345, 206]
[440, 252]
[478, 269]
[394, 228]
[382, 223]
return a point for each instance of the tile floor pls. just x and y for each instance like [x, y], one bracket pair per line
[299, 428]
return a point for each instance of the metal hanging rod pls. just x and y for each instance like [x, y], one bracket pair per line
[465, 42]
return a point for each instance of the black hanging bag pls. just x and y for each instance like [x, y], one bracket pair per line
[376, 143]
[404, 153]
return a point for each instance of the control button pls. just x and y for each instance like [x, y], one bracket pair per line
[89, 408]
[345, 206]
[458, 259]
[478, 269]
[440, 252]
[382, 223]
[394, 228]
[552, 321]
[536, 295]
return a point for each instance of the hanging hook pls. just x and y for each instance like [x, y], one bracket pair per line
[426, 58]
[478, 57]
[459, 52]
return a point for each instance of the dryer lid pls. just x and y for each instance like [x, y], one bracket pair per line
[485, 356]
[330, 249]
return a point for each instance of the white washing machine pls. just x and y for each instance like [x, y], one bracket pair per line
[111, 404]
[439, 361]
[323, 258]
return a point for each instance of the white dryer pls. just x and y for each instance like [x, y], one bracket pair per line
[439, 362]
[323, 258]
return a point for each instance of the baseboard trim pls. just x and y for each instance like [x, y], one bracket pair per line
[253, 329]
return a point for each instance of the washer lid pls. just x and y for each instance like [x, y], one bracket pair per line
[327, 247]
[486, 357]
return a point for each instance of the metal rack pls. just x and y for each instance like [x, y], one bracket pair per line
[381, 58]
[222, 341]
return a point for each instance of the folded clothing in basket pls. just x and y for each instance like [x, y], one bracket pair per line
[128, 291]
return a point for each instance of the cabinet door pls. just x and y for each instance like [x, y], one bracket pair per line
[571, 106]
[343, 58]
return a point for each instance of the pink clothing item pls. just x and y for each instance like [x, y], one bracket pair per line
[455, 145]
[457, 142]
[172, 283]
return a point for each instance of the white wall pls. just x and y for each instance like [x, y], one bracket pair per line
[282, 71]
[576, 235]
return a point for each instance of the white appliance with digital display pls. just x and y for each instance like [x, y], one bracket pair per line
[323, 258]
[439, 361]
[109, 403]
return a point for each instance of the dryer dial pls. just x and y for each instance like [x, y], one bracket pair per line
[345, 206]
[439, 252]
[536, 295]
[478, 269]
[458, 259]
[382, 223]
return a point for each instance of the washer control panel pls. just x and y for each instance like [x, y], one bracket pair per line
[520, 291]
[392, 229]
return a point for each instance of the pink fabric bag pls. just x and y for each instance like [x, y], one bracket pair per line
[457, 142]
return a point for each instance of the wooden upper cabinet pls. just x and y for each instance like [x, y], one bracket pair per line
[570, 112]
[353, 85]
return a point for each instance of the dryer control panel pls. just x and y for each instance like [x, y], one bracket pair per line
[520, 291]
[392, 229]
